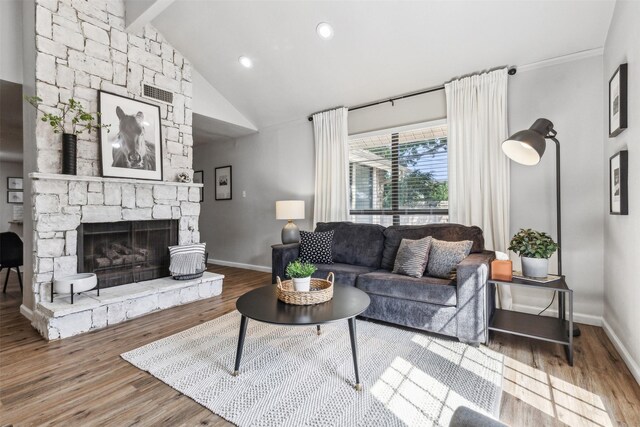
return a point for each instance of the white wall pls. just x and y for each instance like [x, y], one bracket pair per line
[11, 40]
[622, 233]
[207, 101]
[570, 95]
[8, 169]
[418, 109]
[29, 128]
[275, 164]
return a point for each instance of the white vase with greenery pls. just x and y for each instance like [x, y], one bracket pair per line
[300, 272]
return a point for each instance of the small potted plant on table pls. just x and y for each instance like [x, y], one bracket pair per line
[535, 248]
[300, 272]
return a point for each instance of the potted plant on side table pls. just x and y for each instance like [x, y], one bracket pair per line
[300, 272]
[71, 122]
[535, 248]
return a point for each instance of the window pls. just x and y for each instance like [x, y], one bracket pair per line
[399, 177]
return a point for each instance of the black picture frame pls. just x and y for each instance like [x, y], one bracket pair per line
[15, 197]
[198, 178]
[223, 182]
[618, 101]
[15, 183]
[107, 103]
[619, 183]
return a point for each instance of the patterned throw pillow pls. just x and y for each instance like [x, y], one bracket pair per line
[186, 259]
[445, 256]
[316, 247]
[412, 257]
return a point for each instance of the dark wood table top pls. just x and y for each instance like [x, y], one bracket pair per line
[558, 284]
[262, 304]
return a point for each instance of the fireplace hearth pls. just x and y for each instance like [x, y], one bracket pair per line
[126, 252]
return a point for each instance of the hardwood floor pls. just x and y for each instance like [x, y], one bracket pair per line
[83, 381]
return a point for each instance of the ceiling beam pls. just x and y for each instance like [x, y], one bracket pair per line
[139, 13]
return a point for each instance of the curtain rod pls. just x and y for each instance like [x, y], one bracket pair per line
[511, 72]
[384, 101]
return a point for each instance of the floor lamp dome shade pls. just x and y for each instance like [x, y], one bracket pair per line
[527, 146]
[290, 210]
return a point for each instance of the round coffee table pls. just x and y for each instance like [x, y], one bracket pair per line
[263, 305]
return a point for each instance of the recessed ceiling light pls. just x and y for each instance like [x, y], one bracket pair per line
[325, 31]
[245, 61]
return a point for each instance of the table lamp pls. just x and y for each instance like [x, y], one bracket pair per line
[290, 210]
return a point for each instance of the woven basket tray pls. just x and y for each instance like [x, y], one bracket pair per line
[321, 291]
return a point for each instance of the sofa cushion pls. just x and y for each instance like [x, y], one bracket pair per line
[423, 289]
[357, 244]
[450, 232]
[412, 257]
[445, 256]
[345, 274]
[316, 247]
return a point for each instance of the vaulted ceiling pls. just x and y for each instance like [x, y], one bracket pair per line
[380, 48]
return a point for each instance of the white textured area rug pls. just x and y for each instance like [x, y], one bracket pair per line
[290, 376]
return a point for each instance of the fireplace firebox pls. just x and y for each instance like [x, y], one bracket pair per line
[126, 252]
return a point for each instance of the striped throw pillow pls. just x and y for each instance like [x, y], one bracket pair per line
[412, 257]
[186, 259]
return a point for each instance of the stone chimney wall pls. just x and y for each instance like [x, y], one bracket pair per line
[82, 47]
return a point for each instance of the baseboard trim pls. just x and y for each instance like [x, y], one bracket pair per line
[626, 356]
[26, 312]
[262, 268]
[587, 319]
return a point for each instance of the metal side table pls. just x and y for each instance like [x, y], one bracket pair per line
[545, 328]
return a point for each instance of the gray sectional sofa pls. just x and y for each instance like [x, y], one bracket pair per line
[364, 255]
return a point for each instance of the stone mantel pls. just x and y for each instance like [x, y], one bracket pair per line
[61, 177]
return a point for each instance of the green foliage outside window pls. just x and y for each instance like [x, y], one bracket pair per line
[416, 188]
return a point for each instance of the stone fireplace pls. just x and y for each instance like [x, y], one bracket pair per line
[127, 251]
[82, 47]
[119, 229]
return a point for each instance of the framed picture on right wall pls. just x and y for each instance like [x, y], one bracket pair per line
[618, 184]
[618, 101]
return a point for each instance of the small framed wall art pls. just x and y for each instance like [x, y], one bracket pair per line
[618, 183]
[223, 183]
[15, 197]
[618, 101]
[132, 146]
[14, 183]
[198, 178]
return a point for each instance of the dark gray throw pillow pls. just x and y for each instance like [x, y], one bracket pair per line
[412, 257]
[445, 256]
[316, 247]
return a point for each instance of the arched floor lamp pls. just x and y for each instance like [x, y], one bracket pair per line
[527, 147]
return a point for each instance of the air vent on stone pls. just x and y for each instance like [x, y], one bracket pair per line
[158, 94]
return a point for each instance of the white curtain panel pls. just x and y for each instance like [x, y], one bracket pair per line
[478, 170]
[332, 166]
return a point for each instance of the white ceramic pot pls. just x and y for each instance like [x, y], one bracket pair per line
[302, 284]
[81, 282]
[535, 267]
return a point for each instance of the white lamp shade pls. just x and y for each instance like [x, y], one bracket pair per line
[290, 209]
[521, 152]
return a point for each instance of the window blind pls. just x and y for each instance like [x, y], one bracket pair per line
[399, 178]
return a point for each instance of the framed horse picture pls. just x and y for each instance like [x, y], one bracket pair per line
[132, 145]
